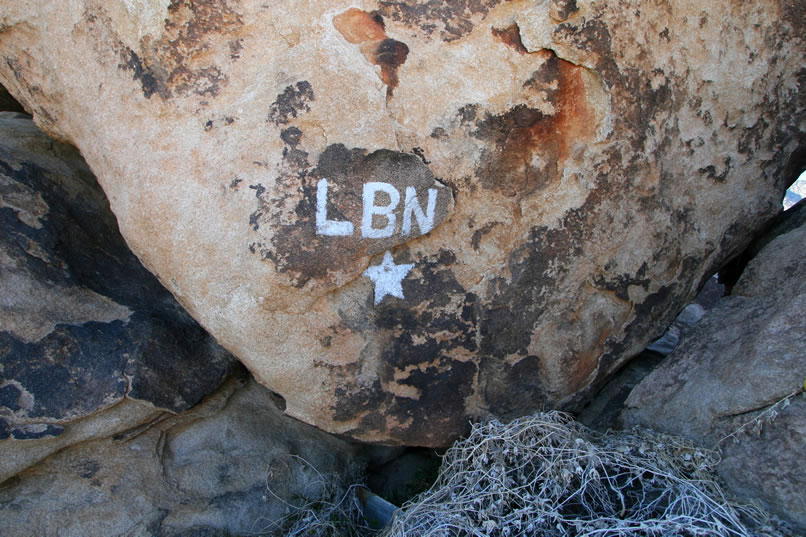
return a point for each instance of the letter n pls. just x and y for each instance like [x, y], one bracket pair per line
[412, 206]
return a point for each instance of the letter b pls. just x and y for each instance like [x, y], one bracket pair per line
[370, 209]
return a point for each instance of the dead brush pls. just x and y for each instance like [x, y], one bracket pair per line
[329, 508]
[546, 475]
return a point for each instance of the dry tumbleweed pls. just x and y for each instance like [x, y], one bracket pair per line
[546, 475]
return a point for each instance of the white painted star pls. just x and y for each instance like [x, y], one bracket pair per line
[388, 277]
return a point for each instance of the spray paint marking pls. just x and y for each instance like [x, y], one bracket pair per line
[388, 277]
[374, 211]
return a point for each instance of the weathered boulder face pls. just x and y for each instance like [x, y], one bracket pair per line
[229, 466]
[737, 380]
[551, 180]
[85, 329]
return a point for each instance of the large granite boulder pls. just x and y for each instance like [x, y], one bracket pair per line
[232, 465]
[90, 342]
[737, 379]
[403, 215]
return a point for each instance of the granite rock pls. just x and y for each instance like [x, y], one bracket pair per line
[260, 157]
[232, 465]
[84, 327]
[736, 381]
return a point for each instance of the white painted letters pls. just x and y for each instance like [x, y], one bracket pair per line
[370, 209]
[387, 218]
[332, 228]
[412, 206]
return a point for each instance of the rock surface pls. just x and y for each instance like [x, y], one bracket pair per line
[225, 467]
[84, 329]
[604, 409]
[737, 380]
[574, 151]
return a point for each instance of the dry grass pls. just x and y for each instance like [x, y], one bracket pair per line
[546, 475]
[549, 476]
[329, 507]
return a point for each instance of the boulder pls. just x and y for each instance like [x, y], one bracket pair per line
[90, 342]
[603, 411]
[405, 215]
[232, 465]
[736, 381]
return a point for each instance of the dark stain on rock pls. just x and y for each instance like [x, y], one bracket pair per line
[369, 32]
[436, 415]
[390, 54]
[795, 16]
[179, 63]
[433, 327]
[235, 49]
[293, 154]
[506, 386]
[656, 311]
[620, 283]
[150, 83]
[77, 369]
[475, 239]
[449, 20]
[61, 373]
[297, 249]
[355, 402]
[292, 101]
[421, 155]
[10, 397]
[511, 37]
[87, 468]
[468, 114]
[711, 172]
[591, 36]
[529, 146]
[535, 267]
[561, 10]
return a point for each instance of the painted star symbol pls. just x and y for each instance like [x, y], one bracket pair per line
[388, 277]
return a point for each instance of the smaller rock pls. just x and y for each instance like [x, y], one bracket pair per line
[602, 413]
[790, 219]
[736, 381]
[231, 465]
[84, 327]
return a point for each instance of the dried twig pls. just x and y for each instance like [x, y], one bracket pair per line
[547, 475]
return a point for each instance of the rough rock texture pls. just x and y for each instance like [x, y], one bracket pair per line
[577, 152]
[224, 467]
[791, 219]
[725, 378]
[603, 411]
[84, 328]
